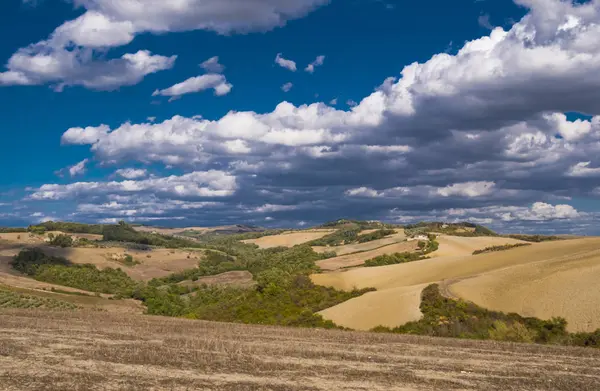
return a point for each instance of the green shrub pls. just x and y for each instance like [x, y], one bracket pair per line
[379, 234]
[339, 237]
[393, 259]
[500, 248]
[61, 240]
[515, 332]
[535, 238]
[68, 227]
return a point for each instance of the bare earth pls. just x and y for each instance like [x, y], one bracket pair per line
[360, 258]
[399, 236]
[289, 239]
[55, 351]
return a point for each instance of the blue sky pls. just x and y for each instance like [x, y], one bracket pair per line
[480, 135]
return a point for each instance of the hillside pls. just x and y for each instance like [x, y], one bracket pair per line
[56, 351]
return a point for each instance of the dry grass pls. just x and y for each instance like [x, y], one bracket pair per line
[289, 239]
[90, 351]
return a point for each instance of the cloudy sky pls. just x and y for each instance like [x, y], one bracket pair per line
[296, 112]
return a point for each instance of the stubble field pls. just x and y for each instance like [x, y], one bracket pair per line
[41, 350]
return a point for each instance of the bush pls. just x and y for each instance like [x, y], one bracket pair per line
[339, 237]
[123, 232]
[61, 240]
[534, 238]
[500, 248]
[515, 332]
[380, 234]
[393, 259]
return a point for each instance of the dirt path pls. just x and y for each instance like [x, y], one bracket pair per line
[95, 351]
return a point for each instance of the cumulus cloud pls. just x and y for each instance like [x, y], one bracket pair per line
[79, 168]
[131, 173]
[197, 84]
[285, 63]
[70, 55]
[196, 185]
[482, 132]
[317, 63]
[212, 65]
[43, 64]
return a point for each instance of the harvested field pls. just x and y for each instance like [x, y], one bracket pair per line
[360, 258]
[153, 264]
[559, 279]
[399, 236]
[458, 245]
[544, 280]
[42, 350]
[237, 279]
[389, 308]
[289, 239]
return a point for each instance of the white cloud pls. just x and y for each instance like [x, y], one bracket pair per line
[363, 192]
[583, 169]
[317, 63]
[197, 84]
[131, 173]
[468, 189]
[541, 211]
[212, 65]
[351, 103]
[287, 87]
[333, 102]
[285, 63]
[84, 136]
[195, 184]
[43, 64]
[74, 53]
[79, 168]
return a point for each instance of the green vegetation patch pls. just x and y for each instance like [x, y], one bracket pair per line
[60, 271]
[279, 298]
[123, 232]
[500, 248]
[379, 234]
[535, 238]
[10, 299]
[444, 317]
[67, 227]
[393, 259]
[455, 229]
[9, 230]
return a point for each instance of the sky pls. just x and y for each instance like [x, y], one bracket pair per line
[291, 113]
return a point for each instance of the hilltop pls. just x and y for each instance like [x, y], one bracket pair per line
[434, 279]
